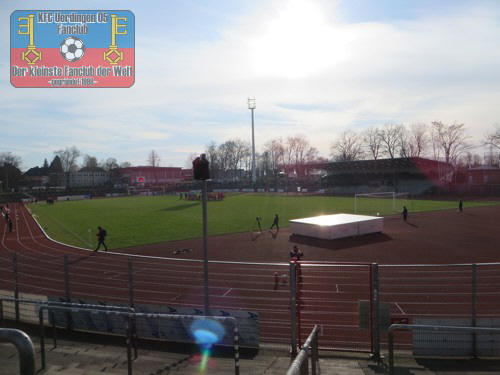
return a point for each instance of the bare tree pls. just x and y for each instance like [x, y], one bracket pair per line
[347, 147]
[11, 159]
[297, 151]
[312, 155]
[10, 171]
[469, 160]
[390, 137]
[68, 157]
[190, 158]
[417, 138]
[276, 150]
[231, 155]
[240, 152]
[299, 147]
[404, 143]
[452, 140]
[493, 139]
[265, 163]
[224, 155]
[213, 158]
[90, 161]
[154, 161]
[125, 164]
[109, 164]
[373, 142]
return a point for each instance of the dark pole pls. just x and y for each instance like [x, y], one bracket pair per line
[201, 172]
[205, 245]
[252, 106]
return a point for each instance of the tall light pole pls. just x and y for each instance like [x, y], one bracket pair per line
[251, 106]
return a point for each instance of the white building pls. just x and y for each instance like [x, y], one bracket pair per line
[88, 177]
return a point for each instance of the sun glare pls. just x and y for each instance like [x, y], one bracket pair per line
[297, 43]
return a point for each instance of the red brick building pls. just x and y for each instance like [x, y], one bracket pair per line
[148, 175]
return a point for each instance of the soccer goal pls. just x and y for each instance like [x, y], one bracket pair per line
[380, 203]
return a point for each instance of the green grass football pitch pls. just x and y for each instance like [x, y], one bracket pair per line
[132, 221]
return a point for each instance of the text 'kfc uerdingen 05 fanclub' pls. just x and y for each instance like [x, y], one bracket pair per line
[72, 49]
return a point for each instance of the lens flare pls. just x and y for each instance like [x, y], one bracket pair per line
[205, 355]
[206, 332]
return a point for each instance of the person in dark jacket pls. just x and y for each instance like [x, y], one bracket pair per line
[296, 254]
[275, 222]
[101, 236]
[405, 213]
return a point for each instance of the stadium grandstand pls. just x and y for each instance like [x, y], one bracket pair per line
[415, 175]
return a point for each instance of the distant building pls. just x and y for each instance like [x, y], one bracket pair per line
[478, 180]
[88, 177]
[483, 175]
[147, 176]
[95, 177]
[36, 177]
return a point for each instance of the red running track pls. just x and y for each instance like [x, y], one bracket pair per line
[330, 296]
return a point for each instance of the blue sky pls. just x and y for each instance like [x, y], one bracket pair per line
[315, 67]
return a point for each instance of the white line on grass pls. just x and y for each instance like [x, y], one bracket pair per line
[66, 228]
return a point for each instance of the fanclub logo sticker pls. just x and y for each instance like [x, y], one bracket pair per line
[64, 48]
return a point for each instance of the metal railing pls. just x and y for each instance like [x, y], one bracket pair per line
[300, 366]
[128, 314]
[24, 346]
[70, 307]
[412, 292]
[127, 319]
[433, 328]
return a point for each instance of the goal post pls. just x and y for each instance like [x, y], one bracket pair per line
[380, 203]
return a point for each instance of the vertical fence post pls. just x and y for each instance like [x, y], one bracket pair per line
[298, 300]
[129, 350]
[66, 290]
[42, 336]
[390, 342]
[314, 351]
[474, 308]
[16, 285]
[375, 313]
[236, 344]
[130, 283]
[132, 323]
[293, 309]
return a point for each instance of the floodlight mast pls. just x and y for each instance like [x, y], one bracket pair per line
[252, 105]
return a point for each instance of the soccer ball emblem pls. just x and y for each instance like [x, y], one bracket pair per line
[72, 48]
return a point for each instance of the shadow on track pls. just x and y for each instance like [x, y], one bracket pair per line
[341, 243]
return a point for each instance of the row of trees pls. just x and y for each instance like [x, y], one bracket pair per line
[440, 141]
[70, 155]
[449, 142]
[233, 158]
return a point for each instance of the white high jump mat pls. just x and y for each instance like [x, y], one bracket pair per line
[330, 227]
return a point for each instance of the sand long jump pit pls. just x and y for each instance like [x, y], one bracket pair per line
[330, 227]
